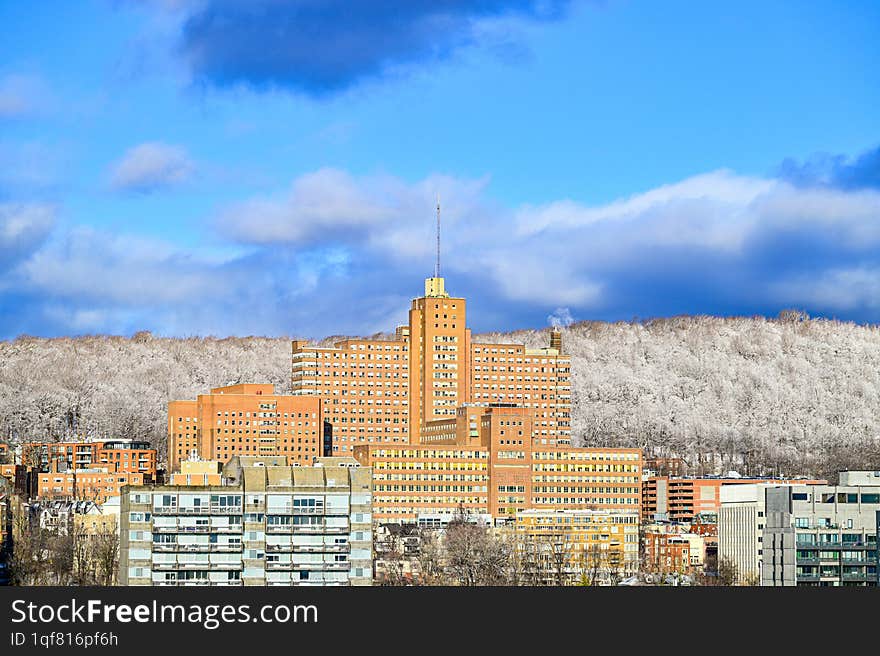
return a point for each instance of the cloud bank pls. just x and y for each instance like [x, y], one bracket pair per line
[335, 252]
[319, 48]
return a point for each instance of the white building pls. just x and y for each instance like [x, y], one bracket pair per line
[267, 524]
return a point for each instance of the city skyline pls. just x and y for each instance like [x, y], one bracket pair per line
[595, 160]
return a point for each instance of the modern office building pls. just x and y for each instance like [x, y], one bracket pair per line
[245, 420]
[574, 543]
[679, 499]
[492, 461]
[268, 523]
[822, 535]
[387, 391]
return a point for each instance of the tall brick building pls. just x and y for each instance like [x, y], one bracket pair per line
[388, 391]
[245, 420]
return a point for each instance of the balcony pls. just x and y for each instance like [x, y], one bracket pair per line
[807, 578]
[164, 546]
[236, 528]
[807, 561]
[165, 510]
[274, 567]
[193, 510]
[164, 567]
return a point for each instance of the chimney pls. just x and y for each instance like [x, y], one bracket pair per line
[556, 339]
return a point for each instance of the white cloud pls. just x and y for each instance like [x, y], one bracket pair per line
[839, 289]
[23, 227]
[21, 95]
[151, 166]
[336, 253]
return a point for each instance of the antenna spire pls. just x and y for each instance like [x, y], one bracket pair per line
[437, 267]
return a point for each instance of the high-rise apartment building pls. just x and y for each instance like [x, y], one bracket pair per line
[823, 535]
[245, 420]
[268, 523]
[388, 391]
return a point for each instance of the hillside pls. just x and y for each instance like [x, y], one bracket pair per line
[790, 395]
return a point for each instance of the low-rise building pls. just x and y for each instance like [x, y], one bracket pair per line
[95, 484]
[679, 499]
[196, 471]
[673, 548]
[570, 546]
[118, 455]
[267, 523]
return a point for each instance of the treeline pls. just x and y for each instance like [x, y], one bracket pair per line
[791, 395]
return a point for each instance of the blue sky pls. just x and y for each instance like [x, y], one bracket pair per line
[227, 167]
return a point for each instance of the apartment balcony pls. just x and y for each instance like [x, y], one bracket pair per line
[322, 567]
[165, 510]
[807, 578]
[164, 546]
[807, 561]
[308, 548]
[226, 548]
[164, 567]
[275, 567]
[295, 510]
[231, 582]
[858, 576]
[194, 529]
[166, 529]
[193, 510]
[193, 582]
[226, 529]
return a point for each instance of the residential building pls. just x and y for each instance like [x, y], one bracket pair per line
[268, 523]
[124, 456]
[96, 484]
[678, 499]
[245, 420]
[822, 535]
[6, 498]
[579, 545]
[674, 548]
[387, 391]
[59, 516]
[741, 520]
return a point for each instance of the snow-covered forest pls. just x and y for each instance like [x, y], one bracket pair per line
[789, 396]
